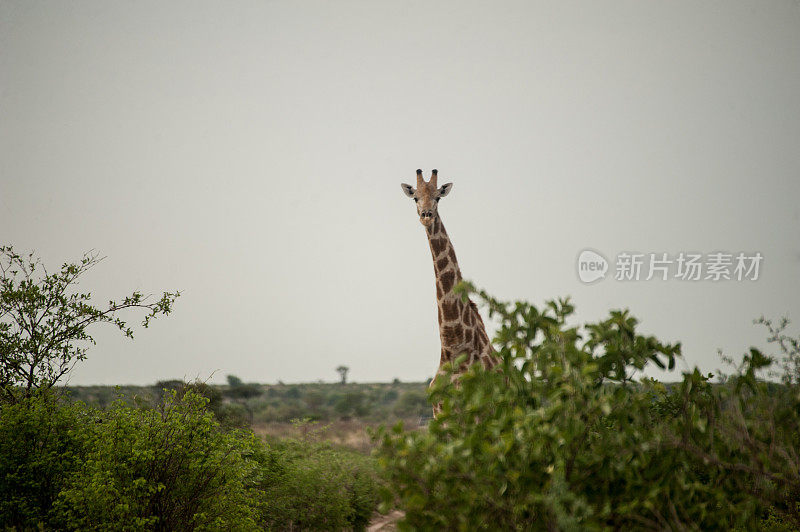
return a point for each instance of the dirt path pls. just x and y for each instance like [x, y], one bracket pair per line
[385, 523]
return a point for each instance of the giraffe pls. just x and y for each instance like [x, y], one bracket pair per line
[461, 328]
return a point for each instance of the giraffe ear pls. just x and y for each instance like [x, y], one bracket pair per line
[408, 189]
[444, 190]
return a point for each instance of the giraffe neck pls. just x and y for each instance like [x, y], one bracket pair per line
[461, 328]
[445, 264]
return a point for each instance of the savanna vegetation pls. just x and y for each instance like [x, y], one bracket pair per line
[178, 457]
[170, 466]
[331, 411]
[569, 434]
[259, 404]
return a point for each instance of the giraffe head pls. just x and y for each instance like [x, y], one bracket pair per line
[426, 196]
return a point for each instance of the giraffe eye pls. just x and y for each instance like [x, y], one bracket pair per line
[437, 200]
[416, 200]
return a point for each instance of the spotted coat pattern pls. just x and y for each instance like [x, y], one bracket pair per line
[461, 328]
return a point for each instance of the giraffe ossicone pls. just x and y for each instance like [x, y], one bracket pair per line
[461, 327]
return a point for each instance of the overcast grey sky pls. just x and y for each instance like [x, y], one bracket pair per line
[249, 154]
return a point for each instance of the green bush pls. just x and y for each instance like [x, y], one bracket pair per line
[315, 486]
[169, 468]
[412, 403]
[41, 444]
[353, 403]
[563, 437]
[293, 393]
[390, 396]
[232, 416]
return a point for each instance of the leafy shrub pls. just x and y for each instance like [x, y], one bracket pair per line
[287, 411]
[314, 399]
[562, 437]
[412, 403]
[391, 395]
[293, 393]
[314, 486]
[162, 387]
[352, 404]
[169, 468]
[41, 444]
[232, 416]
[64, 466]
[239, 390]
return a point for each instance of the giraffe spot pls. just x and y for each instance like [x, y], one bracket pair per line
[467, 315]
[447, 279]
[450, 309]
[452, 255]
[441, 264]
[440, 315]
[468, 336]
[438, 245]
[439, 292]
[452, 334]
